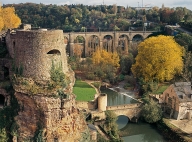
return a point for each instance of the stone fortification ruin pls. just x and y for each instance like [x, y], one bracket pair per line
[43, 83]
[35, 50]
[102, 102]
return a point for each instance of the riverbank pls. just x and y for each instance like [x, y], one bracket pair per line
[171, 132]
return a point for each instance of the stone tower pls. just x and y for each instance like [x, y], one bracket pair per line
[47, 108]
[35, 50]
[102, 102]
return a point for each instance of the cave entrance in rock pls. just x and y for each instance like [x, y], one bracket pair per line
[2, 101]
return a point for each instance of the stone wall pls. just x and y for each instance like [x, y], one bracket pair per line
[4, 63]
[185, 110]
[4, 93]
[99, 115]
[44, 111]
[128, 106]
[91, 105]
[102, 102]
[170, 93]
[34, 51]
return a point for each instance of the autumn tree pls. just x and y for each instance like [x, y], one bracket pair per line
[159, 58]
[103, 58]
[78, 49]
[8, 18]
[106, 64]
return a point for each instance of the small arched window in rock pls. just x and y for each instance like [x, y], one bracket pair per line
[54, 51]
[13, 44]
[6, 72]
[2, 101]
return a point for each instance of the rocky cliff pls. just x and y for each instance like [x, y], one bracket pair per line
[43, 84]
[49, 116]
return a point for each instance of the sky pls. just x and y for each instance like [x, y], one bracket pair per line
[132, 3]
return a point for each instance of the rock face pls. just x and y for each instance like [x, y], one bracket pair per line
[61, 123]
[47, 108]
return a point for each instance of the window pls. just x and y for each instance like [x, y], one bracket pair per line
[54, 51]
[2, 100]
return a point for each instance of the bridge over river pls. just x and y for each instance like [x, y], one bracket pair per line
[132, 111]
[88, 42]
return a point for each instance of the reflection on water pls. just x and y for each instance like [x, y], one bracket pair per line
[114, 98]
[137, 132]
[131, 132]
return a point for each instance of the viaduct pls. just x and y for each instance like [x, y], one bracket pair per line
[111, 41]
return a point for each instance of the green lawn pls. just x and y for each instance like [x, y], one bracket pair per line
[161, 89]
[83, 91]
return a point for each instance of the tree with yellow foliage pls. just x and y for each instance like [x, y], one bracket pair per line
[8, 18]
[159, 58]
[106, 64]
[103, 58]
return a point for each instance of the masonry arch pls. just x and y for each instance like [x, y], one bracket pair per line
[137, 38]
[108, 43]
[6, 72]
[93, 44]
[54, 51]
[66, 42]
[123, 44]
[2, 100]
[79, 46]
[122, 121]
[54, 55]
[13, 44]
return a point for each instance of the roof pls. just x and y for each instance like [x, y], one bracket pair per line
[183, 91]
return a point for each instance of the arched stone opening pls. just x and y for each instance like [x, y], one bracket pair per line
[2, 100]
[137, 38]
[79, 46]
[108, 43]
[122, 121]
[93, 44]
[6, 72]
[54, 51]
[13, 44]
[66, 42]
[123, 44]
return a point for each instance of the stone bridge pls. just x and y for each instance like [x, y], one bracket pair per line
[111, 41]
[132, 111]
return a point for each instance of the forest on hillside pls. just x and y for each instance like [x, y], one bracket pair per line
[99, 17]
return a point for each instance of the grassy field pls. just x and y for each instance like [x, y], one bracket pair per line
[161, 89]
[83, 91]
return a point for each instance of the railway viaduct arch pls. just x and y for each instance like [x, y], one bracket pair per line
[111, 41]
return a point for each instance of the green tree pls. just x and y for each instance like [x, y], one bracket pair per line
[187, 69]
[185, 40]
[151, 112]
[111, 125]
[159, 58]
[126, 62]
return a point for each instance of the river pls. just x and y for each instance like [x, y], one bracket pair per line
[131, 132]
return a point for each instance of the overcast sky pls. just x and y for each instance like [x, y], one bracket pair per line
[132, 3]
